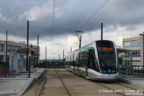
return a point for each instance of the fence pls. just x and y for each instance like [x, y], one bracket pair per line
[4, 69]
[50, 65]
[134, 70]
[138, 70]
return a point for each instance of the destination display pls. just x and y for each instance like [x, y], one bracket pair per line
[104, 48]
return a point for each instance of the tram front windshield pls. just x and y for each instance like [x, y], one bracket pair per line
[107, 57]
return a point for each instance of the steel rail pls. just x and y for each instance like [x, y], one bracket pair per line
[120, 84]
[105, 87]
[130, 87]
[111, 89]
[39, 91]
[60, 78]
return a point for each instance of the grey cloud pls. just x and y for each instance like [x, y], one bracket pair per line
[74, 13]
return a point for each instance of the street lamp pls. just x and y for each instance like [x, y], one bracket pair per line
[143, 46]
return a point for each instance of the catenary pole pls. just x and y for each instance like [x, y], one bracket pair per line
[102, 31]
[27, 58]
[142, 47]
[6, 61]
[37, 49]
[45, 54]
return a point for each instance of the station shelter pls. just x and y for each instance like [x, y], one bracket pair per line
[17, 60]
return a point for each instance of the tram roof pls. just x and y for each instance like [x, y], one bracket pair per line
[88, 45]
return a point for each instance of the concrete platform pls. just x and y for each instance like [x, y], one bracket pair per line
[11, 86]
[17, 85]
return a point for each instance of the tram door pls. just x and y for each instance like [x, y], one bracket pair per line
[84, 62]
[92, 61]
[87, 60]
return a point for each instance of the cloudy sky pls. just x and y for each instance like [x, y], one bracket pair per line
[121, 18]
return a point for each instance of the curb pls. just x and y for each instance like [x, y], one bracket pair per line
[33, 78]
[22, 90]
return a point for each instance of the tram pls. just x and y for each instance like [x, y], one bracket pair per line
[95, 61]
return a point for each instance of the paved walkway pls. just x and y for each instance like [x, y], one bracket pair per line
[11, 86]
[17, 84]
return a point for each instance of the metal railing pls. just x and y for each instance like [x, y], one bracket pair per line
[138, 70]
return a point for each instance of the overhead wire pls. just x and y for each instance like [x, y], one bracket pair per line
[91, 17]
[81, 25]
[97, 10]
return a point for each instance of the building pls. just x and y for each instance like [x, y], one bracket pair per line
[16, 52]
[124, 61]
[135, 44]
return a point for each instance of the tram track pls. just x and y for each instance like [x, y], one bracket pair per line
[128, 87]
[64, 85]
[120, 93]
[43, 84]
[132, 87]
[104, 86]
[67, 84]
[41, 88]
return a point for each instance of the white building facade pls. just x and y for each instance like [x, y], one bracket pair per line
[136, 45]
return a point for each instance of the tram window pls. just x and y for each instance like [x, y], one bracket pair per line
[96, 63]
[92, 60]
[107, 56]
[75, 59]
[84, 58]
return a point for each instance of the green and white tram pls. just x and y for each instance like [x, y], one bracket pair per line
[96, 61]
